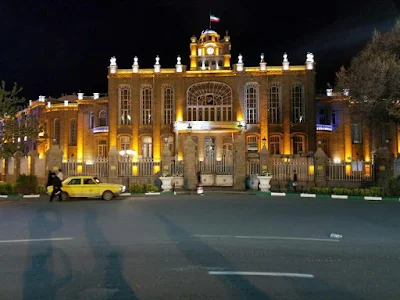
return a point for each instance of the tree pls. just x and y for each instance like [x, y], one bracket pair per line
[373, 77]
[19, 127]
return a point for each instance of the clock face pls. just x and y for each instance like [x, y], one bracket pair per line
[210, 50]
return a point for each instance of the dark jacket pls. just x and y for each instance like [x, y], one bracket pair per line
[50, 179]
[56, 182]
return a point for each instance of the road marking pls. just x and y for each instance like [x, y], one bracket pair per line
[265, 237]
[276, 274]
[36, 240]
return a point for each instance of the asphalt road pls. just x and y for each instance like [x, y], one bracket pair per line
[192, 247]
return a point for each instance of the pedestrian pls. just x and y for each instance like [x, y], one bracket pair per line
[60, 175]
[56, 183]
[295, 181]
[49, 179]
[198, 177]
[200, 190]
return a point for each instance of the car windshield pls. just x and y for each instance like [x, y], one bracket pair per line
[96, 179]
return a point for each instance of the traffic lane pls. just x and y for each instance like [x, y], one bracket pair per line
[77, 267]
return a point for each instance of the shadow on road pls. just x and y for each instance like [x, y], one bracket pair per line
[40, 280]
[108, 260]
[199, 253]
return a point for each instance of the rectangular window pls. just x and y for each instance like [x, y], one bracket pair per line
[252, 143]
[333, 118]
[298, 144]
[125, 143]
[56, 135]
[356, 135]
[102, 149]
[125, 108]
[146, 95]
[72, 133]
[297, 103]
[251, 103]
[275, 116]
[168, 105]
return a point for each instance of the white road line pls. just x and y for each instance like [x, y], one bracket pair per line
[266, 238]
[276, 274]
[36, 240]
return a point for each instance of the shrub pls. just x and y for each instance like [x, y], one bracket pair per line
[142, 188]
[26, 184]
[41, 189]
[7, 188]
[394, 186]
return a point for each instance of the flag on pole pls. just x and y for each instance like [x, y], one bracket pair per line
[214, 19]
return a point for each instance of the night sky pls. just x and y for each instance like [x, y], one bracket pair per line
[55, 47]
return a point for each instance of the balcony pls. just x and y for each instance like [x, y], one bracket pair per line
[100, 129]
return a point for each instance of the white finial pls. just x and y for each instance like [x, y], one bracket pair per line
[113, 61]
[157, 66]
[310, 57]
[285, 57]
[240, 59]
[263, 64]
[135, 61]
[135, 66]
[178, 66]
[262, 57]
[346, 92]
[80, 96]
[42, 98]
[285, 63]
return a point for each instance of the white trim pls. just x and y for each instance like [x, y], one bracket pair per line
[340, 197]
[276, 274]
[31, 196]
[157, 193]
[304, 195]
[278, 194]
[36, 240]
[372, 198]
[125, 194]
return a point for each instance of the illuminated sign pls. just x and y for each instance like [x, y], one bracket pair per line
[100, 129]
[323, 127]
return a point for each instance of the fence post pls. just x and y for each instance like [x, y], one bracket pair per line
[166, 161]
[264, 160]
[54, 158]
[384, 163]
[17, 163]
[190, 179]
[34, 155]
[239, 180]
[320, 167]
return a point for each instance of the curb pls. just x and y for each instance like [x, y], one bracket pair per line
[140, 194]
[18, 196]
[306, 195]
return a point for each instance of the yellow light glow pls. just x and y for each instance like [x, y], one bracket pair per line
[156, 169]
[179, 116]
[367, 159]
[311, 170]
[79, 169]
[367, 170]
[180, 157]
[336, 160]
[134, 170]
[348, 170]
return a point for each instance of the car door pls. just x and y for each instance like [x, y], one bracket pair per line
[90, 188]
[74, 187]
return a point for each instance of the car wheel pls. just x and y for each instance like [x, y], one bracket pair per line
[108, 195]
[64, 196]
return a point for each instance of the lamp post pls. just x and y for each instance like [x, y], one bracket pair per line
[189, 129]
[264, 140]
[240, 126]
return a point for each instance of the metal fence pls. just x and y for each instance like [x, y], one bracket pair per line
[252, 167]
[214, 165]
[97, 167]
[142, 168]
[350, 171]
[285, 168]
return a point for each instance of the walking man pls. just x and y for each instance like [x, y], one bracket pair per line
[56, 183]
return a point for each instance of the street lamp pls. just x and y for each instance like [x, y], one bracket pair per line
[189, 128]
[264, 140]
[240, 126]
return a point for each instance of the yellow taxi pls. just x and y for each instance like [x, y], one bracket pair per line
[88, 187]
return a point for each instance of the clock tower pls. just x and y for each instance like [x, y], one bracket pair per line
[209, 52]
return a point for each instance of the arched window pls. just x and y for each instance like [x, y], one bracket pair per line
[146, 97]
[147, 147]
[168, 104]
[275, 103]
[125, 105]
[125, 143]
[72, 132]
[102, 148]
[252, 143]
[298, 144]
[251, 96]
[209, 101]
[297, 101]
[91, 120]
[325, 145]
[274, 145]
[102, 118]
[56, 132]
[220, 63]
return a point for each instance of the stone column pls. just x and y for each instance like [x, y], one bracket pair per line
[384, 166]
[320, 167]
[34, 155]
[264, 160]
[113, 164]
[166, 161]
[17, 163]
[239, 180]
[54, 158]
[190, 178]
